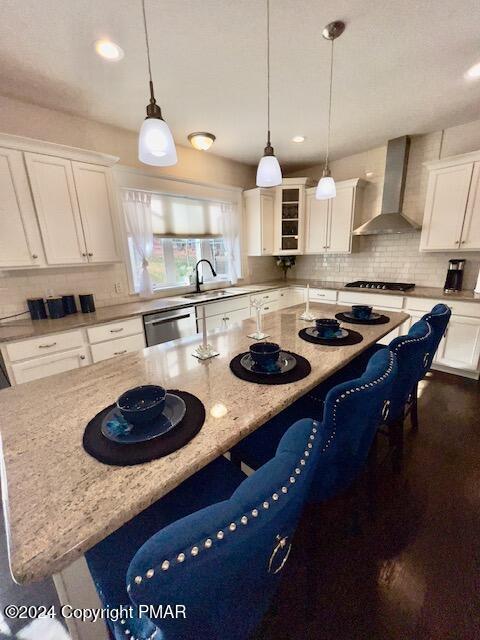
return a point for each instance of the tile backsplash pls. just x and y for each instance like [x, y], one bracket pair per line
[394, 258]
[17, 286]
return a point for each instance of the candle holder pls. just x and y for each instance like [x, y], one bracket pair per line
[204, 351]
[257, 304]
[306, 315]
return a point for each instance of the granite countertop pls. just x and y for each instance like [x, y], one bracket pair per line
[59, 502]
[22, 329]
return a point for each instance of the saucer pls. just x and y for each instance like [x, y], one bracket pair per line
[341, 333]
[172, 415]
[286, 362]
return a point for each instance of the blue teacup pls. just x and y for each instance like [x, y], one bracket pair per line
[142, 405]
[265, 354]
[327, 327]
[361, 311]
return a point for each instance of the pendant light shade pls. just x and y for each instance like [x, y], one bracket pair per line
[326, 188]
[155, 141]
[269, 173]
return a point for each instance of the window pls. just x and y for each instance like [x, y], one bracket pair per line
[184, 231]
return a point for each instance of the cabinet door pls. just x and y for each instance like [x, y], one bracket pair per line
[461, 346]
[445, 206]
[17, 216]
[49, 365]
[55, 199]
[96, 204]
[471, 227]
[340, 221]
[267, 213]
[316, 224]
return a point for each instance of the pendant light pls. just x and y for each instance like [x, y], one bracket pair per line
[155, 141]
[269, 173]
[326, 188]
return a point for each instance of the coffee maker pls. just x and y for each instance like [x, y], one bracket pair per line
[453, 281]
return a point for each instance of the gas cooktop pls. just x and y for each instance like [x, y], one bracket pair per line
[389, 286]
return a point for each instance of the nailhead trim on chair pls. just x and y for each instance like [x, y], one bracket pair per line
[232, 527]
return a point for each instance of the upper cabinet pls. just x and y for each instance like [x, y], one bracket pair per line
[71, 220]
[329, 223]
[275, 218]
[452, 207]
[20, 244]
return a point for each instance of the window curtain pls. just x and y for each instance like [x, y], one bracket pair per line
[230, 232]
[138, 219]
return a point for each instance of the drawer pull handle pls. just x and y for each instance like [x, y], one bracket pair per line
[46, 346]
[90, 254]
[267, 308]
[34, 256]
[82, 357]
[116, 330]
[119, 353]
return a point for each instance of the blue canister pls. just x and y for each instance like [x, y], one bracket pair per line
[55, 308]
[87, 302]
[36, 306]
[69, 304]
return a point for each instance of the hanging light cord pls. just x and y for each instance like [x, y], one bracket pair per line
[329, 106]
[148, 50]
[268, 71]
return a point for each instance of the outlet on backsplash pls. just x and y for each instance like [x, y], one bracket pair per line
[118, 288]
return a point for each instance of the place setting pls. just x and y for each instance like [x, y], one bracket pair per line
[145, 423]
[362, 314]
[268, 363]
[328, 332]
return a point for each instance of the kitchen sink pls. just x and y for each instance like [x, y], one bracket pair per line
[207, 295]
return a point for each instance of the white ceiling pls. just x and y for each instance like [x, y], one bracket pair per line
[399, 68]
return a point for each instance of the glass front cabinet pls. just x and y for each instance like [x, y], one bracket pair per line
[290, 217]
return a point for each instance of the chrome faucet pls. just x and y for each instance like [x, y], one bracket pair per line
[198, 282]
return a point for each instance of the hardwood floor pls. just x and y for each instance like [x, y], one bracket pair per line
[409, 569]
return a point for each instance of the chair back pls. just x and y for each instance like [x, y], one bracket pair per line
[353, 412]
[223, 563]
[413, 352]
[438, 319]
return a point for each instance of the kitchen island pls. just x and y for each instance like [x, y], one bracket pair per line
[59, 501]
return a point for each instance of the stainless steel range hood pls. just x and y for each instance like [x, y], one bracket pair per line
[391, 219]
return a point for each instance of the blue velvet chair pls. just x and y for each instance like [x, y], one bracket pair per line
[350, 416]
[213, 548]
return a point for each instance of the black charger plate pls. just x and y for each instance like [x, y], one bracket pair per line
[300, 371]
[344, 318]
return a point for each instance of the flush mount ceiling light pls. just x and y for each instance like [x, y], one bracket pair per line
[201, 140]
[109, 50]
[326, 188]
[269, 173]
[155, 141]
[474, 72]
[298, 139]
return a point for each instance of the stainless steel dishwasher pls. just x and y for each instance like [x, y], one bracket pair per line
[172, 324]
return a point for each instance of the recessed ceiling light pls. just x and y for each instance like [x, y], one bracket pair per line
[109, 50]
[474, 72]
[298, 139]
[201, 140]
[368, 174]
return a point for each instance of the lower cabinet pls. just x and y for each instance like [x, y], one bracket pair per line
[460, 347]
[118, 347]
[44, 366]
[227, 319]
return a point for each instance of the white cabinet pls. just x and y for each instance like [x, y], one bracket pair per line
[259, 214]
[58, 213]
[20, 244]
[452, 207]
[289, 217]
[95, 199]
[118, 347]
[329, 223]
[226, 319]
[36, 368]
[460, 348]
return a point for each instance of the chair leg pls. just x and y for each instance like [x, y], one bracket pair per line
[372, 477]
[235, 459]
[396, 444]
[414, 409]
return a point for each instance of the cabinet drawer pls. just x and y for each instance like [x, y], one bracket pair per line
[268, 296]
[458, 307]
[373, 299]
[119, 329]
[45, 345]
[319, 295]
[118, 347]
[49, 365]
[223, 306]
[271, 306]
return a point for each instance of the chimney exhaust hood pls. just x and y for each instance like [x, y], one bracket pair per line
[391, 219]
